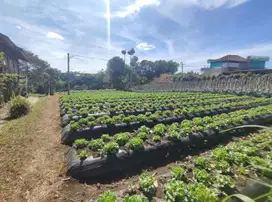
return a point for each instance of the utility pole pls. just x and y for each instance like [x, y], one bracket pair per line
[181, 64]
[68, 72]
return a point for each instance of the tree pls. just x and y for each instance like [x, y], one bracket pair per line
[131, 53]
[124, 52]
[134, 61]
[116, 70]
[42, 78]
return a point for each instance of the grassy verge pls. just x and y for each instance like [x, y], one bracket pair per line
[18, 128]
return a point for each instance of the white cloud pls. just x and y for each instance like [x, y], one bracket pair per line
[208, 4]
[136, 7]
[145, 46]
[54, 35]
[18, 27]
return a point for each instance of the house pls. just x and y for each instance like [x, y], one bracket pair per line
[13, 55]
[231, 63]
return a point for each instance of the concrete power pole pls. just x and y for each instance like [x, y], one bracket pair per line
[181, 64]
[68, 73]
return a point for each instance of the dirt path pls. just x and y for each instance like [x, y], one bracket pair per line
[31, 160]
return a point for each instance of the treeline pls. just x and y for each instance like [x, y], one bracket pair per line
[43, 79]
[118, 75]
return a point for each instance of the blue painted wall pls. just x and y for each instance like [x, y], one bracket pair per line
[216, 65]
[255, 64]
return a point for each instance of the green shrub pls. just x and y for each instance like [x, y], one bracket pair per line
[111, 148]
[105, 138]
[107, 196]
[97, 144]
[74, 127]
[19, 106]
[136, 144]
[80, 143]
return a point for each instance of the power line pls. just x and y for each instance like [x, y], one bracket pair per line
[88, 57]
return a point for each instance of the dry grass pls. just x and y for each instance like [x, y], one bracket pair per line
[31, 160]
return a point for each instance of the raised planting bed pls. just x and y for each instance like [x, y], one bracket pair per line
[127, 150]
[136, 109]
[209, 177]
[96, 107]
[87, 128]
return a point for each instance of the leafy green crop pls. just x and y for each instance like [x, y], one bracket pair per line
[202, 176]
[147, 183]
[156, 138]
[136, 144]
[80, 143]
[176, 191]
[83, 155]
[96, 144]
[121, 138]
[159, 129]
[105, 138]
[202, 163]
[144, 129]
[107, 196]
[142, 135]
[135, 198]
[177, 172]
[222, 166]
[111, 148]
[74, 126]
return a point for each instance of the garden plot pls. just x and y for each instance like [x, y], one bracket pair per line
[132, 130]
[125, 150]
[88, 126]
[236, 168]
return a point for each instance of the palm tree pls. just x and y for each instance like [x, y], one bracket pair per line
[124, 52]
[131, 52]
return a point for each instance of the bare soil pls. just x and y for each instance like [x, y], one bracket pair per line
[32, 164]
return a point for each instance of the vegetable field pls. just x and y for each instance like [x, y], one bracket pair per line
[112, 132]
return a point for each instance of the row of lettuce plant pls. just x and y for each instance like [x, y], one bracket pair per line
[124, 96]
[209, 177]
[132, 107]
[96, 103]
[176, 132]
[159, 116]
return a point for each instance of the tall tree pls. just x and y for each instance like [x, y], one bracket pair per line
[134, 61]
[124, 52]
[131, 53]
[116, 70]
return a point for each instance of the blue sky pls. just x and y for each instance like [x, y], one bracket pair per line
[191, 31]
